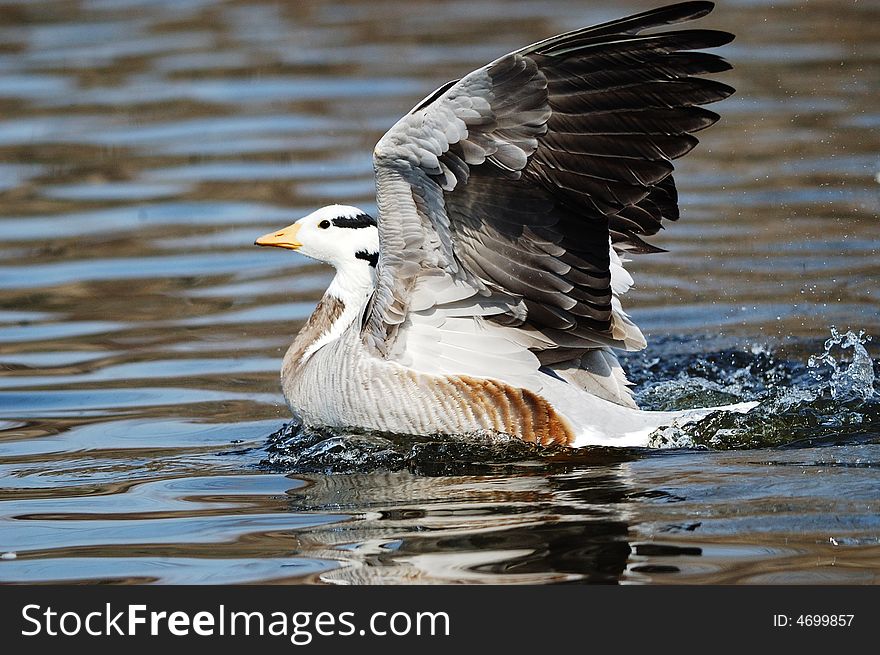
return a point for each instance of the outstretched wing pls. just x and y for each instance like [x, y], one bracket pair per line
[500, 194]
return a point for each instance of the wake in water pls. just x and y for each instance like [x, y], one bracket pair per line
[828, 400]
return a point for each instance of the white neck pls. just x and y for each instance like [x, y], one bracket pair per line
[353, 284]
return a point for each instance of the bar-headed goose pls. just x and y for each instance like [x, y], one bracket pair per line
[485, 296]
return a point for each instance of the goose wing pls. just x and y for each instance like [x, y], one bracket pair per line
[500, 194]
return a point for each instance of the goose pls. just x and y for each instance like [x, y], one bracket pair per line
[484, 297]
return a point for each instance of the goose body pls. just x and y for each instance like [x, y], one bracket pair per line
[486, 294]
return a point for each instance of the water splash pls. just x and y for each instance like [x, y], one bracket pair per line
[799, 405]
[856, 379]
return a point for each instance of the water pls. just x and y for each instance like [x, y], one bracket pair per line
[855, 379]
[144, 145]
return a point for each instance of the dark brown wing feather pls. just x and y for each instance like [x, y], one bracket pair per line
[540, 158]
[623, 107]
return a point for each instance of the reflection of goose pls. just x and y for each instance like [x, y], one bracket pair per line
[532, 526]
[486, 296]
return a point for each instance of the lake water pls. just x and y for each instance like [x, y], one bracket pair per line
[145, 144]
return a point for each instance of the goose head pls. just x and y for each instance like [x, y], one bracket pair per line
[342, 236]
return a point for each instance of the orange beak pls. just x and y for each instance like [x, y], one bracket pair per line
[283, 238]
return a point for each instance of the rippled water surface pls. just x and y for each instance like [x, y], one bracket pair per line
[144, 144]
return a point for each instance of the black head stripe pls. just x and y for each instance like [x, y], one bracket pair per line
[371, 257]
[361, 220]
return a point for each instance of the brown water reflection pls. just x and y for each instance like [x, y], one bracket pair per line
[143, 146]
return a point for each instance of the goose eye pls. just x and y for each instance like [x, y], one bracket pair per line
[324, 225]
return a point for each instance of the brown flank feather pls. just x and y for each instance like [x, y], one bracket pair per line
[326, 313]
